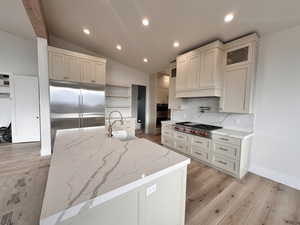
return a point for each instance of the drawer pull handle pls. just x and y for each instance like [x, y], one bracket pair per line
[224, 149]
[66, 78]
[224, 139]
[199, 142]
[93, 81]
[224, 163]
[198, 153]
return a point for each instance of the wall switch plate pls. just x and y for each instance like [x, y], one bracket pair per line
[151, 190]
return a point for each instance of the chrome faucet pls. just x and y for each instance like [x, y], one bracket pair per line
[110, 125]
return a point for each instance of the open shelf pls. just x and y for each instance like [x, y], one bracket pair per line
[118, 96]
[118, 107]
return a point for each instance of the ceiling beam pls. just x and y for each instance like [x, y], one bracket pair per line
[36, 16]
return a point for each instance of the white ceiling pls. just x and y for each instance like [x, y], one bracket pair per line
[191, 22]
[14, 19]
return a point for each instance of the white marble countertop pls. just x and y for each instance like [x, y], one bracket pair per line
[168, 121]
[233, 133]
[88, 168]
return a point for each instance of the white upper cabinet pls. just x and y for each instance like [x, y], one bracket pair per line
[100, 72]
[239, 75]
[174, 103]
[195, 66]
[199, 72]
[71, 66]
[181, 81]
[87, 71]
[210, 64]
[235, 85]
[56, 66]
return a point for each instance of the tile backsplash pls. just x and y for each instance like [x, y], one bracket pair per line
[190, 111]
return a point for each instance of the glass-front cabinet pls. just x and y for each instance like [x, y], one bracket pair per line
[237, 56]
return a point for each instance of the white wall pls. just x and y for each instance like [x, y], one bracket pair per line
[276, 152]
[17, 56]
[120, 73]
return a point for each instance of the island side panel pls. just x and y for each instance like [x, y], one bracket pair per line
[165, 206]
[160, 202]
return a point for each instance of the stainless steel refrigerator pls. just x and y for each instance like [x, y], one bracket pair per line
[75, 105]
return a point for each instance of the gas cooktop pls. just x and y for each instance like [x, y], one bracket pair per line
[203, 130]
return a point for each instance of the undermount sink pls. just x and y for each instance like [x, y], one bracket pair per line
[123, 135]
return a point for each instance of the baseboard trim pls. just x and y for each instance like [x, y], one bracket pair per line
[290, 181]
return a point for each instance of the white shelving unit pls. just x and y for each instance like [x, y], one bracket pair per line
[4, 86]
[118, 98]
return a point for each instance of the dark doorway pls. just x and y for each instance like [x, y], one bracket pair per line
[139, 105]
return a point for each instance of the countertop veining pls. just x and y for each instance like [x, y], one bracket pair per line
[87, 167]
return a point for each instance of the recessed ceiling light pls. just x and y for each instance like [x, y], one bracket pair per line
[229, 17]
[145, 60]
[86, 31]
[119, 47]
[176, 44]
[145, 22]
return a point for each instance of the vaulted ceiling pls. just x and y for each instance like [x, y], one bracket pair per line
[14, 19]
[191, 22]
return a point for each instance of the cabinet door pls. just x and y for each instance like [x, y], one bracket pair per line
[181, 82]
[238, 56]
[235, 89]
[71, 68]
[209, 69]
[194, 71]
[56, 66]
[174, 103]
[87, 71]
[100, 73]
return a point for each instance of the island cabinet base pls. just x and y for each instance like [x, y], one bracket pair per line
[159, 202]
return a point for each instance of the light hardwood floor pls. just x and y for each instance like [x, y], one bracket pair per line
[214, 198]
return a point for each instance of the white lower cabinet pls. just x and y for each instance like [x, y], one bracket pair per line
[180, 142]
[227, 164]
[200, 153]
[180, 146]
[225, 153]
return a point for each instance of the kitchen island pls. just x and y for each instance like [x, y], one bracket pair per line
[94, 179]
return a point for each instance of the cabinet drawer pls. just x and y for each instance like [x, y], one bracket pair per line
[226, 150]
[180, 136]
[201, 142]
[224, 163]
[226, 139]
[167, 132]
[167, 141]
[180, 146]
[199, 153]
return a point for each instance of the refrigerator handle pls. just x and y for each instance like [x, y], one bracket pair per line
[80, 110]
